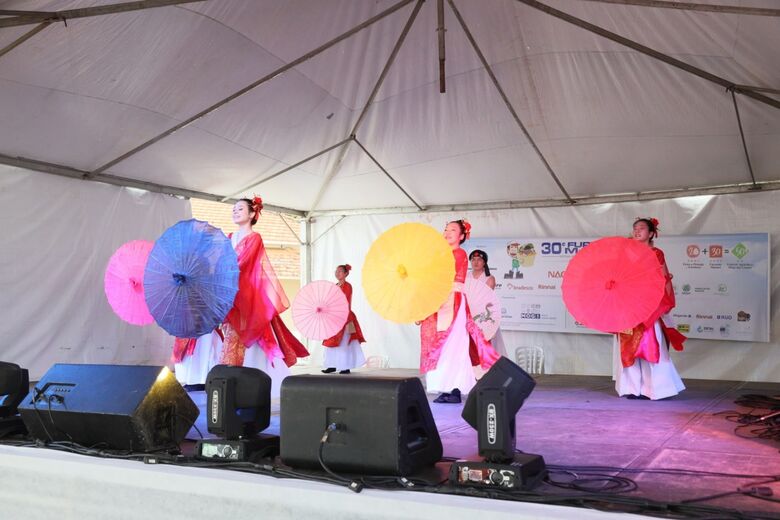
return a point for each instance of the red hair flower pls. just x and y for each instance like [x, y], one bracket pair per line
[257, 204]
[348, 267]
[467, 227]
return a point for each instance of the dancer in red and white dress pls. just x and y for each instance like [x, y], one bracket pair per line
[642, 367]
[255, 335]
[451, 343]
[343, 351]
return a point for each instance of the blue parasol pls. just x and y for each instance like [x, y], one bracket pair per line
[191, 278]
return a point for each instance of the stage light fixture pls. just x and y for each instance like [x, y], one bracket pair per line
[238, 408]
[490, 409]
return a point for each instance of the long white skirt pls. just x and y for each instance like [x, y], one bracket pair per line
[454, 368]
[194, 369]
[346, 356]
[255, 357]
[653, 380]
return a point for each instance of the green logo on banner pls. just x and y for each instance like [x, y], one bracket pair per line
[739, 250]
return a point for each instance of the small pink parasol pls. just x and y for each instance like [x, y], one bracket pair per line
[320, 310]
[124, 282]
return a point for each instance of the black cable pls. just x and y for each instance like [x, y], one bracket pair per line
[351, 484]
[38, 392]
[666, 471]
[751, 425]
[51, 417]
[602, 483]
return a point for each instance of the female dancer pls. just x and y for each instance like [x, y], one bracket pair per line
[481, 271]
[344, 352]
[642, 366]
[451, 343]
[255, 335]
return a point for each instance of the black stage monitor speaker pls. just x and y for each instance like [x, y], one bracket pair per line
[383, 426]
[492, 405]
[137, 408]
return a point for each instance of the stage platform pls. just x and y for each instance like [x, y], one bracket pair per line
[573, 421]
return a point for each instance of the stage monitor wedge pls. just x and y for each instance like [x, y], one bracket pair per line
[385, 425]
[119, 407]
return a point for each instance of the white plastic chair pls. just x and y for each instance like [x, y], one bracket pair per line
[530, 359]
[377, 362]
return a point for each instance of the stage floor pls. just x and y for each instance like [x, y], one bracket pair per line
[573, 421]
[580, 421]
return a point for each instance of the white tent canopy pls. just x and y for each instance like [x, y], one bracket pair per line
[308, 104]
[99, 96]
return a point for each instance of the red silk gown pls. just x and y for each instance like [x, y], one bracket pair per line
[631, 344]
[254, 318]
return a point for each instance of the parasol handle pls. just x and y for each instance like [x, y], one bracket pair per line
[134, 283]
[179, 278]
[402, 272]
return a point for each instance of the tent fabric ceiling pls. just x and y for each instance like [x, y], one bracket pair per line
[607, 119]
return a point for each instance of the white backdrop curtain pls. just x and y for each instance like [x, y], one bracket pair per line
[350, 239]
[57, 237]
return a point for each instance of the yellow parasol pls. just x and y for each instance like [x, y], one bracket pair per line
[408, 272]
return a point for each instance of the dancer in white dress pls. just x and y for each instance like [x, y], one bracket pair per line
[481, 271]
[642, 367]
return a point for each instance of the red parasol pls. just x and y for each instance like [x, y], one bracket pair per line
[613, 284]
[320, 310]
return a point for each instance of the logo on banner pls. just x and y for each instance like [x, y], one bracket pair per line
[555, 274]
[683, 327]
[519, 287]
[725, 330]
[693, 251]
[702, 328]
[740, 251]
[723, 288]
[562, 248]
[521, 255]
[716, 251]
[743, 316]
[686, 288]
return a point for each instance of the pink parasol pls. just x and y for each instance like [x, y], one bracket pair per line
[484, 306]
[613, 284]
[124, 282]
[320, 310]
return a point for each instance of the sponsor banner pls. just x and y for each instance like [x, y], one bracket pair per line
[721, 283]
